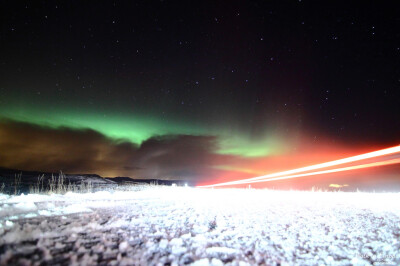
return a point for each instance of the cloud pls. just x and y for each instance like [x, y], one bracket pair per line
[175, 156]
[29, 147]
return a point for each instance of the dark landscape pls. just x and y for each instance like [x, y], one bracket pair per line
[24, 181]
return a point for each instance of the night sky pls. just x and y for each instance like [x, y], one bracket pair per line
[195, 90]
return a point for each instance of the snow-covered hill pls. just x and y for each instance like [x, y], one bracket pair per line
[178, 225]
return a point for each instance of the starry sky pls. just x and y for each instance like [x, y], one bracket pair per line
[195, 90]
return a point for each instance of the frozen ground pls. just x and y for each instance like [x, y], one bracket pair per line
[174, 225]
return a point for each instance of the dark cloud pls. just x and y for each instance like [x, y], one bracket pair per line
[29, 147]
[176, 156]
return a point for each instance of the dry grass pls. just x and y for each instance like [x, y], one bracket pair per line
[58, 185]
[17, 183]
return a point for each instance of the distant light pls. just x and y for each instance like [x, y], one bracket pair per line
[186, 184]
[338, 186]
[173, 184]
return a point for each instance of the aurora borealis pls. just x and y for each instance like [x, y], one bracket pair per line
[138, 128]
[196, 91]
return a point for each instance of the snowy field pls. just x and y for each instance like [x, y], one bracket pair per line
[177, 225]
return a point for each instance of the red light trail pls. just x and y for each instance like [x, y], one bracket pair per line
[289, 174]
[394, 161]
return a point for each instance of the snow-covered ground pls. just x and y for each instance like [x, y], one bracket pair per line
[177, 225]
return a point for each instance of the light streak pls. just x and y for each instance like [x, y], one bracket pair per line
[389, 162]
[273, 176]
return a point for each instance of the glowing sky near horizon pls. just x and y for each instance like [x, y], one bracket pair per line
[335, 170]
[288, 174]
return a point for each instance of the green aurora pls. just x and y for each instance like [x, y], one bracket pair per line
[137, 128]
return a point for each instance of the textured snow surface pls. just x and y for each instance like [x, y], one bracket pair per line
[175, 225]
